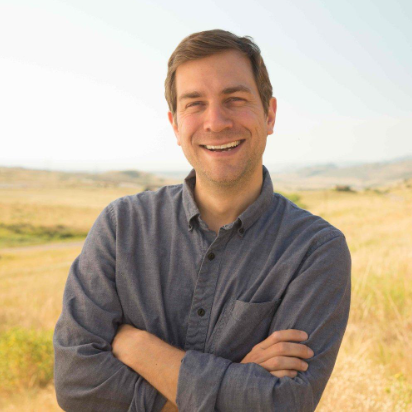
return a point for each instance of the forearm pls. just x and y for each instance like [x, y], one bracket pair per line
[88, 378]
[169, 407]
[210, 383]
[155, 360]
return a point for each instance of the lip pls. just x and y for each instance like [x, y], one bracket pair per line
[225, 153]
[220, 143]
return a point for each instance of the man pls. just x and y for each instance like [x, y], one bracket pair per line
[198, 295]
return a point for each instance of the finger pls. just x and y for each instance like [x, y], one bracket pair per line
[283, 373]
[284, 362]
[283, 336]
[296, 350]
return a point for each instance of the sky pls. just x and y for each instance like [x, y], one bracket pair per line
[82, 81]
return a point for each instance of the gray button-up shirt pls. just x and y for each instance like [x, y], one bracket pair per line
[150, 261]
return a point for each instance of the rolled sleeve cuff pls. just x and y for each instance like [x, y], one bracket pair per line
[199, 380]
[159, 402]
[146, 398]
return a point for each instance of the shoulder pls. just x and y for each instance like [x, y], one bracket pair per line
[147, 198]
[311, 241]
[147, 204]
[303, 226]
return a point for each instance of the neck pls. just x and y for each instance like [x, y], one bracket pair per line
[221, 205]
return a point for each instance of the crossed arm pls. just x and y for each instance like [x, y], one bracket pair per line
[89, 378]
[159, 362]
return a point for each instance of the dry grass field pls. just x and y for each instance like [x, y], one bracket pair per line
[373, 370]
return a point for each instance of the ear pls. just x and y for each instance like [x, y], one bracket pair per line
[174, 125]
[271, 117]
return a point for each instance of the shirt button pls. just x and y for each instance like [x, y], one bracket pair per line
[211, 256]
[201, 312]
[241, 230]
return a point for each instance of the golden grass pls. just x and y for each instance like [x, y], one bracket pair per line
[31, 400]
[37, 215]
[373, 371]
[32, 284]
[31, 294]
[75, 208]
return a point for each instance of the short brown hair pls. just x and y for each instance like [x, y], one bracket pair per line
[207, 43]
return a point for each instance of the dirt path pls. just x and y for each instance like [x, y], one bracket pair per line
[47, 246]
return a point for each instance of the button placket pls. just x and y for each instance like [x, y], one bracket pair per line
[203, 296]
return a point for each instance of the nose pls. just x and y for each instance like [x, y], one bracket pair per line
[216, 119]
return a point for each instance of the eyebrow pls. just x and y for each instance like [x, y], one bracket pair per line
[228, 90]
[234, 89]
[190, 95]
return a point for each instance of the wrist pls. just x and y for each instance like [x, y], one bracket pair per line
[137, 355]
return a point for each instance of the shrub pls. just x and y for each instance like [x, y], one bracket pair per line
[344, 188]
[26, 358]
[295, 198]
[26, 234]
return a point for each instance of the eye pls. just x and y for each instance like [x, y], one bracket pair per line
[194, 104]
[235, 99]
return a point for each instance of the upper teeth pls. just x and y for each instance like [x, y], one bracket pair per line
[224, 146]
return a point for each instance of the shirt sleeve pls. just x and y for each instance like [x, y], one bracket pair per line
[316, 301]
[87, 375]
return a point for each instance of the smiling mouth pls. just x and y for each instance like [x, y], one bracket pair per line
[224, 147]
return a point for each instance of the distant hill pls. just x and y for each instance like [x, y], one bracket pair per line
[357, 176]
[12, 177]
[368, 175]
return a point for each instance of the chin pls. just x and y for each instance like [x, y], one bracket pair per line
[226, 180]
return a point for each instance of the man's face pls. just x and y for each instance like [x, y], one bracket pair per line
[218, 103]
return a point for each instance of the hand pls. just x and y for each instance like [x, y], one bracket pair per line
[169, 407]
[279, 356]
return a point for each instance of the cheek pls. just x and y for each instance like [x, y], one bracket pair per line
[248, 117]
[188, 125]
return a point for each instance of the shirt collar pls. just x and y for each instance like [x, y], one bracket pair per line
[247, 218]
[189, 203]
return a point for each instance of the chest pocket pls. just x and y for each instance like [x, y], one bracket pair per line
[241, 326]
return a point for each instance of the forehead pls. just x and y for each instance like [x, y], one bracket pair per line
[214, 73]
